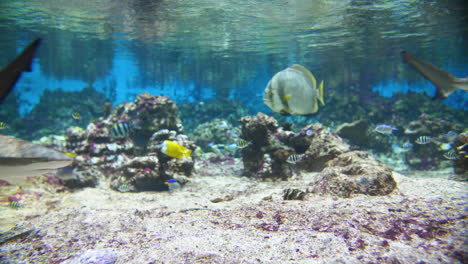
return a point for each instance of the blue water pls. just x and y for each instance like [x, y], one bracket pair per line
[194, 51]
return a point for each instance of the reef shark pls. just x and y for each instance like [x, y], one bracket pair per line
[11, 73]
[20, 159]
[445, 82]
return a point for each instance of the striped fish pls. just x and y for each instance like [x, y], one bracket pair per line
[124, 188]
[293, 159]
[242, 143]
[423, 140]
[14, 204]
[120, 130]
[451, 155]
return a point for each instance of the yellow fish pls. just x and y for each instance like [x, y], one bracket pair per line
[76, 116]
[71, 155]
[175, 150]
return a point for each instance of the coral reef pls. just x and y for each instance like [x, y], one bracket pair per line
[429, 156]
[343, 171]
[218, 136]
[135, 159]
[460, 164]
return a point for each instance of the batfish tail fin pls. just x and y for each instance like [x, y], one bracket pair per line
[320, 98]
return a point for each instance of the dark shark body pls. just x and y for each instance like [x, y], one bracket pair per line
[445, 82]
[11, 73]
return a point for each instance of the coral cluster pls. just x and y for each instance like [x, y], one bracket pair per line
[218, 136]
[431, 155]
[133, 160]
[342, 170]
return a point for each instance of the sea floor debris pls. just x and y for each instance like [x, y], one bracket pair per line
[423, 220]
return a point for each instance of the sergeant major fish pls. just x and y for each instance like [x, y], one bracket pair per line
[120, 130]
[424, 140]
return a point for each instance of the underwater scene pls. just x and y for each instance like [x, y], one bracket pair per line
[220, 131]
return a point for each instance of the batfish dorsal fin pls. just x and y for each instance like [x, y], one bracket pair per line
[307, 73]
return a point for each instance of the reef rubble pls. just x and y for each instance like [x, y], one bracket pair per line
[342, 171]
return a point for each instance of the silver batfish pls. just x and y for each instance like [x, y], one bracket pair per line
[293, 91]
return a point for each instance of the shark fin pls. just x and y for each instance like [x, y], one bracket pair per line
[11, 73]
[445, 82]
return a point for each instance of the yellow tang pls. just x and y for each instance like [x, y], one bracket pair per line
[71, 155]
[175, 150]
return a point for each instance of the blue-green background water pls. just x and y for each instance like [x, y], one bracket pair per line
[202, 50]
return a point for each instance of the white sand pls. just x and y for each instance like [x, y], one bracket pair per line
[423, 220]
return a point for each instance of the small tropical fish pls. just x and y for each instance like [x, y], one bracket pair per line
[173, 185]
[3, 125]
[407, 145]
[120, 130]
[71, 155]
[175, 150]
[76, 116]
[242, 143]
[461, 148]
[124, 188]
[423, 140]
[294, 91]
[14, 204]
[385, 129]
[309, 132]
[451, 155]
[232, 146]
[198, 153]
[293, 159]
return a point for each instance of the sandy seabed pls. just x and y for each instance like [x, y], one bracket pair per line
[220, 217]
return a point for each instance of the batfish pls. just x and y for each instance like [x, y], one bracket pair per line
[293, 91]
